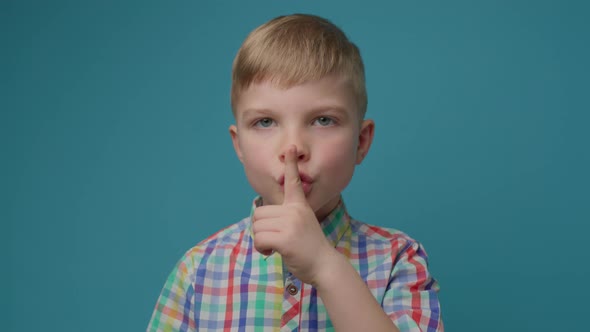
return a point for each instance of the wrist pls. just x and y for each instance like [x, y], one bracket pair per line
[331, 265]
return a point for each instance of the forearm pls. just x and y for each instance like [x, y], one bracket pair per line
[349, 303]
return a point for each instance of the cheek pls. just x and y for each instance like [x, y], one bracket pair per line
[253, 158]
[340, 149]
[339, 156]
[256, 160]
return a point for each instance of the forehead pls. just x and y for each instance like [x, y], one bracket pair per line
[328, 92]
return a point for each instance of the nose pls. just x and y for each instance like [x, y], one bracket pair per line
[298, 140]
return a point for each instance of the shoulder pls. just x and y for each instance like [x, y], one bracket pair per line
[379, 233]
[225, 239]
[395, 239]
[227, 235]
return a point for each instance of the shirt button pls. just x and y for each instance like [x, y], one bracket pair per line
[292, 289]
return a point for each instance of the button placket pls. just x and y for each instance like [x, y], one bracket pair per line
[291, 303]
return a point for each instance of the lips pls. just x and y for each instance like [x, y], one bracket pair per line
[306, 182]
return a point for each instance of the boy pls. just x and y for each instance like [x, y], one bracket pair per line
[300, 262]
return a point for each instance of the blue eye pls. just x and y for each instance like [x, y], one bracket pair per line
[324, 121]
[264, 123]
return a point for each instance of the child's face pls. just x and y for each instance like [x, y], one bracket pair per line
[320, 118]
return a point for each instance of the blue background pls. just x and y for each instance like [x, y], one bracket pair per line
[116, 156]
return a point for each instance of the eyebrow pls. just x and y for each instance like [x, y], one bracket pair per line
[251, 112]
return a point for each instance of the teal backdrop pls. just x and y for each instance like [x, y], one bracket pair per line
[116, 156]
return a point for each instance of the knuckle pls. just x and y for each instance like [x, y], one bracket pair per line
[258, 213]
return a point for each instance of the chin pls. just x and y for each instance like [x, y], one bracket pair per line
[318, 205]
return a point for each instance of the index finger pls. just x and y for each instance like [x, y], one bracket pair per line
[292, 186]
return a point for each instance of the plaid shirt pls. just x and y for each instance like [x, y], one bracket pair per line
[224, 284]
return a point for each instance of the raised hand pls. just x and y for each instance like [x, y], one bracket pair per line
[292, 229]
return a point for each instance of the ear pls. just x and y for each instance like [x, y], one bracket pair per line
[233, 132]
[366, 134]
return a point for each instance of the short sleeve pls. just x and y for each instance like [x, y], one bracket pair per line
[175, 305]
[411, 298]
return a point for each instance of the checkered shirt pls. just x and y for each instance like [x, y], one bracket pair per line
[224, 284]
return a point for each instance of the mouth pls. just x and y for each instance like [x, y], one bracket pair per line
[306, 182]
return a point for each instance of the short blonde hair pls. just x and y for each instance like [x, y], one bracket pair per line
[294, 49]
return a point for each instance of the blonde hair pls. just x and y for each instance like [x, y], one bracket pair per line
[294, 49]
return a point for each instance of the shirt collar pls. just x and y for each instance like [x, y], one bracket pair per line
[334, 225]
